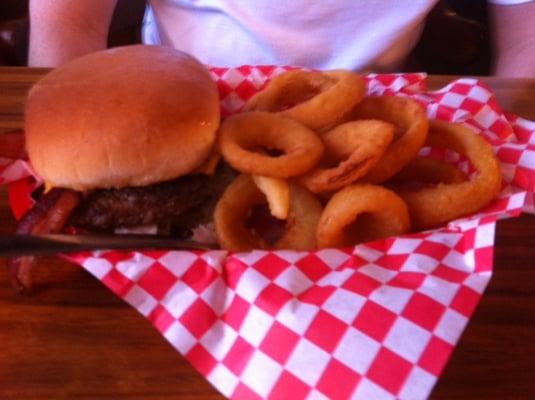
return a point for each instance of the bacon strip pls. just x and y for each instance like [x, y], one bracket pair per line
[49, 215]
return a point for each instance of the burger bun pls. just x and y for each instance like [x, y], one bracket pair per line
[127, 116]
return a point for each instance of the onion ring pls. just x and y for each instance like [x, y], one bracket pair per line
[359, 144]
[242, 196]
[360, 213]
[316, 99]
[242, 135]
[411, 121]
[433, 206]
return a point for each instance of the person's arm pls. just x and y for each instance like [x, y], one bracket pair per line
[513, 31]
[61, 30]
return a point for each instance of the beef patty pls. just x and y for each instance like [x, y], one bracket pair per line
[175, 206]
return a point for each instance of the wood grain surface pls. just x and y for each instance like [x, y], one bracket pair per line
[74, 339]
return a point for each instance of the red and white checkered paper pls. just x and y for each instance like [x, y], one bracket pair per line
[377, 321]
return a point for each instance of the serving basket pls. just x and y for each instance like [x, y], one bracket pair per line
[377, 321]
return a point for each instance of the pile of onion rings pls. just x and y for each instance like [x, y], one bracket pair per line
[334, 168]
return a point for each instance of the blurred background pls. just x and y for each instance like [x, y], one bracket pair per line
[455, 39]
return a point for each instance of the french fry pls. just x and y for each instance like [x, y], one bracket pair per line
[277, 192]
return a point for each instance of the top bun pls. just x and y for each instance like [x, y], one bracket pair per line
[127, 116]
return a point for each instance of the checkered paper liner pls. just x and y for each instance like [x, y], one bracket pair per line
[378, 321]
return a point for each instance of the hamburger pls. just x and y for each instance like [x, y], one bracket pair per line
[120, 138]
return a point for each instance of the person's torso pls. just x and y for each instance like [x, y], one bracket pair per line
[355, 34]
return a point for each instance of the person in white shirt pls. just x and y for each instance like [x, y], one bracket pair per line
[362, 35]
[352, 34]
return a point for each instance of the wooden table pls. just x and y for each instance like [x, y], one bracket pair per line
[75, 339]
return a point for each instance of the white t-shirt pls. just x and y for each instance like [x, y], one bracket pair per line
[363, 35]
